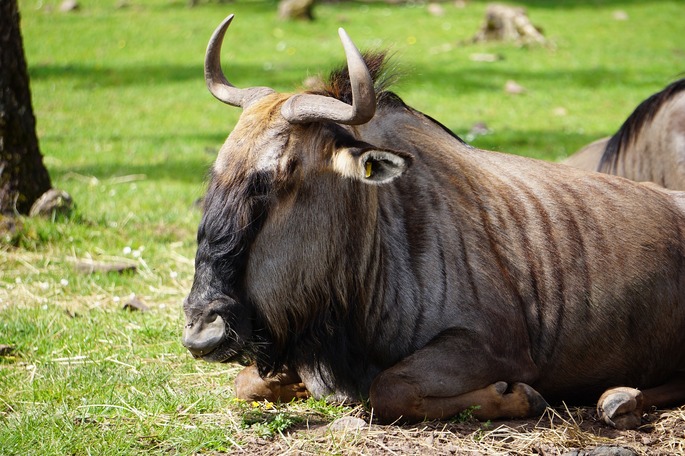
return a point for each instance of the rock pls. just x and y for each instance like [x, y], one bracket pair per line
[51, 203]
[135, 304]
[435, 9]
[485, 57]
[478, 129]
[90, 267]
[620, 15]
[68, 6]
[513, 87]
[603, 451]
[347, 424]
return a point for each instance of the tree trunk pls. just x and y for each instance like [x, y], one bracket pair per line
[23, 176]
[508, 23]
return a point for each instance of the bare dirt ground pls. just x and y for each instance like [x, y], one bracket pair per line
[561, 431]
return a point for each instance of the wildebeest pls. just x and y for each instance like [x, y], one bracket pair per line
[649, 146]
[352, 247]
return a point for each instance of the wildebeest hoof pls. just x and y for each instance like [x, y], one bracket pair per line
[282, 387]
[621, 407]
[504, 400]
[536, 403]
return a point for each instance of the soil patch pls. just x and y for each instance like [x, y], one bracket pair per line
[561, 431]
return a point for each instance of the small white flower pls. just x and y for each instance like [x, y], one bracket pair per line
[64, 282]
[173, 274]
[17, 280]
[116, 299]
[44, 285]
[127, 250]
[136, 254]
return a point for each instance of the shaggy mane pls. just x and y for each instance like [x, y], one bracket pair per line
[337, 84]
[384, 75]
[232, 217]
[634, 124]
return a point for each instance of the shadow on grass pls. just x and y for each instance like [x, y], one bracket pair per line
[544, 145]
[180, 170]
[173, 164]
[491, 78]
[470, 78]
[287, 75]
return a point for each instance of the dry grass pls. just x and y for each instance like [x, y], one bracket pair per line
[558, 432]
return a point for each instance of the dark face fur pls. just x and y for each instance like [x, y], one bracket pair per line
[219, 322]
[258, 173]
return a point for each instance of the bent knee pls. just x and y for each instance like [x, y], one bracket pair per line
[394, 399]
[249, 386]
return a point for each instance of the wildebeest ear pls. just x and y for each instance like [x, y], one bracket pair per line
[372, 166]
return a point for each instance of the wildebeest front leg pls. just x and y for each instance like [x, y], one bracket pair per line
[622, 407]
[452, 374]
[498, 400]
[281, 387]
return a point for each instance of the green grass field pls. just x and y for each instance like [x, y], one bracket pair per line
[127, 127]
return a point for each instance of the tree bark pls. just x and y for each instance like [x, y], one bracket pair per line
[508, 23]
[23, 176]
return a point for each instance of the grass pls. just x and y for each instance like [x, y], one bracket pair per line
[127, 127]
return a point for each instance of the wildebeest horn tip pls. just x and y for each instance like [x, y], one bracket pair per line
[303, 108]
[216, 81]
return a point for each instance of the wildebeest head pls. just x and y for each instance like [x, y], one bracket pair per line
[280, 144]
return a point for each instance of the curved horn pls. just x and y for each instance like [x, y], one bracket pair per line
[217, 83]
[305, 107]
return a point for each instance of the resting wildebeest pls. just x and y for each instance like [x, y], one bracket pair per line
[355, 247]
[649, 146]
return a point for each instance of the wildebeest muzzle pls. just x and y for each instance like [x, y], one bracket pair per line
[218, 331]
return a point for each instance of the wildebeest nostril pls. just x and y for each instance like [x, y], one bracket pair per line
[203, 336]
